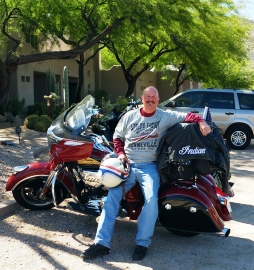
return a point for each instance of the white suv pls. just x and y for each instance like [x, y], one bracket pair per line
[231, 110]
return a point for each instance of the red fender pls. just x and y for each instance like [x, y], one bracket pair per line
[34, 169]
[38, 169]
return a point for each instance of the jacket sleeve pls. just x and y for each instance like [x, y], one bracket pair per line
[193, 118]
[118, 146]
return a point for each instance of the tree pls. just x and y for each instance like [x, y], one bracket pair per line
[15, 19]
[193, 37]
[220, 62]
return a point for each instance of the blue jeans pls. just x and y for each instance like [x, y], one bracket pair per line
[148, 178]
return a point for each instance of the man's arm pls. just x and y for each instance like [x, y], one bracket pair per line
[194, 118]
[119, 149]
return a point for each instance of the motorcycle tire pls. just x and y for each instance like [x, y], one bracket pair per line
[26, 194]
[182, 233]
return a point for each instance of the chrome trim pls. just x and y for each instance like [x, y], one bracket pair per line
[25, 179]
[18, 169]
[223, 199]
[168, 206]
[53, 190]
[193, 209]
[54, 193]
[225, 233]
[51, 134]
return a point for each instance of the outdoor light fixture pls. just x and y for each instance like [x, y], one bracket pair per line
[18, 131]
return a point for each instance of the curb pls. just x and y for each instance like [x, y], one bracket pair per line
[9, 206]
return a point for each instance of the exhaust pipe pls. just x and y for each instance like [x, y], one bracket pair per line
[225, 233]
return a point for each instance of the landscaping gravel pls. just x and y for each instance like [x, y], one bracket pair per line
[15, 152]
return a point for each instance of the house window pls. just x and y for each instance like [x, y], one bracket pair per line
[27, 78]
[23, 78]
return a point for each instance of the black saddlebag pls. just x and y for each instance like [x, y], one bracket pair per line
[184, 152]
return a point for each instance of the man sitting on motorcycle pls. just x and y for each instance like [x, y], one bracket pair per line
[136, 139]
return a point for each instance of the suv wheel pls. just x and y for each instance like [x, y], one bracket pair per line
[238, 137]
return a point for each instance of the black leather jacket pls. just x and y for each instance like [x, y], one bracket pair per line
[184, 141]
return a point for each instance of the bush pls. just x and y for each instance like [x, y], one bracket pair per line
[40, 126]
[34, 109]
[31, 120]
[14, 106]
[46, 120]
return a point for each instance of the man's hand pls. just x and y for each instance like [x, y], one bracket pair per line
[204, 128]
[123, 158]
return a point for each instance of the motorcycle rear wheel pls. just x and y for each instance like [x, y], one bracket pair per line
[182, 233]
[27, 194]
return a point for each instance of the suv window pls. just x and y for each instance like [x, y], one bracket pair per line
[191, 99]
[246, 101]
[220, 100]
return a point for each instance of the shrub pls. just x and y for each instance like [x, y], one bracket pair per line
[40, 126]
[34, 109]
[31, 120]
[13, 106]
[46, 120]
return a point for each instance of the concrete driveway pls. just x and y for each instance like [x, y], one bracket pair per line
[54, 239]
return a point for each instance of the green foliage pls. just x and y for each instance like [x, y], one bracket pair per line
[40, 126]
[53, 105]
[122, 100]
[120, 104]
[99, 95]
[197, 33]
[13, 106]
[107, 107]
[229, 74]
[51, 84]
[44, 108]
[34, 109]
[57, 110]
[3, 109]
[46, 120]
[31, 120]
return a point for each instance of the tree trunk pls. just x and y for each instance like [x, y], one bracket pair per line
[179, 81]
[80, 78]
[5, 73]
[131, 87]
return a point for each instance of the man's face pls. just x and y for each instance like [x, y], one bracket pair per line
[150, 100]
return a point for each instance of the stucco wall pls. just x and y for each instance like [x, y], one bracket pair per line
[22, 82]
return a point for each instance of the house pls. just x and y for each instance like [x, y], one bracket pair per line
[29, 81]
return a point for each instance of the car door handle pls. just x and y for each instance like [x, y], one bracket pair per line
[229, 113]
[195, 111]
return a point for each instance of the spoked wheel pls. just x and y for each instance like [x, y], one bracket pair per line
[182, 233]
[27, 194]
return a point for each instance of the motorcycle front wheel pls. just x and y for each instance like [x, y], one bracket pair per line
[182, 233]
[27, 194]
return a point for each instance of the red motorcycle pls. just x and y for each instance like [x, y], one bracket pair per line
[187, 207]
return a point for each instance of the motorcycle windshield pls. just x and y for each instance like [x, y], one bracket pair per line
[79, 117]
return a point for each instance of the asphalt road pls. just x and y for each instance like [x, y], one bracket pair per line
[54, 239]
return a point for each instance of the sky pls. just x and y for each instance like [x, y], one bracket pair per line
[248, 10]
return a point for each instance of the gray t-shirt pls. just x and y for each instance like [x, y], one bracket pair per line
[141, 135]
